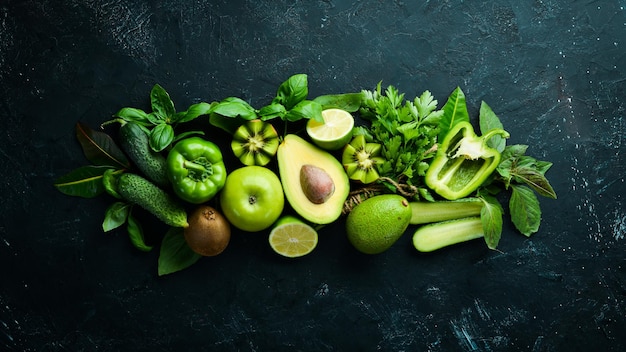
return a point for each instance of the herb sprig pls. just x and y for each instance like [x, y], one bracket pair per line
[408, 133]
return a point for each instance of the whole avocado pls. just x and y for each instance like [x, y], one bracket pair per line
[374, 225]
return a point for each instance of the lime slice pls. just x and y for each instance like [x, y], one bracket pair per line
[335, 132]
[293, 238]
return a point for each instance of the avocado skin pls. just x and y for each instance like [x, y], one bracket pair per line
[374, 225]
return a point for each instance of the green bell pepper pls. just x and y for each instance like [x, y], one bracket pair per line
[463, 161]
[196, 170]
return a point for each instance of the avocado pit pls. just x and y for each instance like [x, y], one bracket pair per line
[316, 184]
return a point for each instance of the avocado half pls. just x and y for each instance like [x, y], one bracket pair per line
[293, 154]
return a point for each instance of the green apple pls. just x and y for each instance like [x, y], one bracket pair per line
[252, 198]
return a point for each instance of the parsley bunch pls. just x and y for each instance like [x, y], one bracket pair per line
[407, 131]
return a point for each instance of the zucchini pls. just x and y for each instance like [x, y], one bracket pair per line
[427, 212]
[138, 190]
[446, 233]
[135, 142]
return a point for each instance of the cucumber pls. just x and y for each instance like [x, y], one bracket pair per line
[427, 212]
[446, 233]
[140, 191]
[135, 142]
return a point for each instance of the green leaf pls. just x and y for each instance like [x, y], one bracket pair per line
[99, 148]
[491, 218]
[86, 182]
[534, 179]
[162, 104]
[175, 254]
[272, 111]
[350, 102]
[228, 124]
[454, 111]
[161, 136]
[525, 210]
[186, 134]
[488, 120]
[109, 181]
[306, 109]
[135, 233]
[197, 110]
[293, 91]
[235, 107]
[425, 104]
[134, 115]
[115, 216]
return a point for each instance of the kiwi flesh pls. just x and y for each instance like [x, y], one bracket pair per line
[255, 143]
[208, 233]
[359, 158]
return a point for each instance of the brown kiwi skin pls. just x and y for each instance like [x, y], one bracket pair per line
[208, 233]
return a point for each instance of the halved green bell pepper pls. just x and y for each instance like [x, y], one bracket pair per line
[463, 161]
[196, 170]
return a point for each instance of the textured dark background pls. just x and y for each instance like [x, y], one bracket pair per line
[553, 71]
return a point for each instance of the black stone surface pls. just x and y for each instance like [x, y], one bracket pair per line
[553, 71]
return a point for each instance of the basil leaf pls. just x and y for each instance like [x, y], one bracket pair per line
[228, 124]
[175, 254]
[162, 104]
[161, 136]
[115, 216]
[99, 148]
[525, 210]
[109, 181]
[350, 102]
[235, 107]
[184, 135]
[488, 120]
[135, 233]
[155, 118]
[534, 179]
[195, 111]
[454, 111]
[293, 91]
[306, 109]
[86, 182]
[272, 111]
[491, 218]
[133, 114]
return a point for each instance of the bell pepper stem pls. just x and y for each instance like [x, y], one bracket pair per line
[495, 131]
[190, 165]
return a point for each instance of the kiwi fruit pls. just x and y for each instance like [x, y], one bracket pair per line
[359, 158]
[208, 233]
[255, 142]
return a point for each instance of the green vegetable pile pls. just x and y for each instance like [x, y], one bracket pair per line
[168, 163]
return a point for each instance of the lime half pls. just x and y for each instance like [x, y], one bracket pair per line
[293, 238]
[335, 132]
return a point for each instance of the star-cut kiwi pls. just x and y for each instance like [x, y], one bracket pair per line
[255, 143]
[360, 158]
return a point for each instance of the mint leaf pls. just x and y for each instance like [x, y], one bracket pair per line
[491, 218]
[525, 210]
[175, 254]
